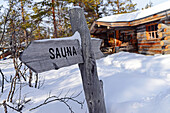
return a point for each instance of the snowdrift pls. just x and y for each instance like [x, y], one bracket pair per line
[133, 83]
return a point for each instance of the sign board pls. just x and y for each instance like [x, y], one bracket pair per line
[48, 54]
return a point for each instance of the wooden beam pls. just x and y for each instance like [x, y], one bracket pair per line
[163, 34]
[93, 88]
[167, 47]
[157, 43]
[165, 42]
[147, 40]
[161, 26]
[167, 22]
[92, 27]
[166, 38]
[111, 24]
[149, 47]
[150, 52]
[167, 51]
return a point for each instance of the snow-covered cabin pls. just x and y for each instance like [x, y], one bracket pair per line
[145, 31]
[4, 52]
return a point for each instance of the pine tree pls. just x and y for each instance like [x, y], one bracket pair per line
[111, 7]
[53, 13]
[150, 4]
[54, 20]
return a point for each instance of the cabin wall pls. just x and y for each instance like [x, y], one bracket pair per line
[164, 32]
[131, 44]
[4, 53]
[159, 45]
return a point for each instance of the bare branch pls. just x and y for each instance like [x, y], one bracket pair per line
[63, 100]
[7, 105]
[3, 78]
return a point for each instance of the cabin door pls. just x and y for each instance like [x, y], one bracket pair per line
[127, 38]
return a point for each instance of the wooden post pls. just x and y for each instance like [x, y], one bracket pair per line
[92, 86]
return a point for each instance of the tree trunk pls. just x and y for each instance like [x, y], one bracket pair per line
[118, 7]
[23, 19]
[54, 21]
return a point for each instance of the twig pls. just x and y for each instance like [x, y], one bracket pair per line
[30, 78]
[64, 100]
[18, 110]
[3, 77]
[36, 80]
[6, 105]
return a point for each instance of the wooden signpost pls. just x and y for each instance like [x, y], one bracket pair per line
[93, 88]
[48, 54]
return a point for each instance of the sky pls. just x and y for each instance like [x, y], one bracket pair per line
[140, 3]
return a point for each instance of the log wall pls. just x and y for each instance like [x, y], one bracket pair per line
[160, 45]
[164, 32]
[5, 54]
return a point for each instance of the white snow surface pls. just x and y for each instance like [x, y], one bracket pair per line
[133, 83]
[76, 35]
[75, 7]
[137, 14]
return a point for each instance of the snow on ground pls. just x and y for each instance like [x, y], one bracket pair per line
[133, 83]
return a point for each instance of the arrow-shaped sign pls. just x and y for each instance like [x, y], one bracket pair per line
[48, 54]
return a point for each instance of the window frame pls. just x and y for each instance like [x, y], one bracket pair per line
[151, 31]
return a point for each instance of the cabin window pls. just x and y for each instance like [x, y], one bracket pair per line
[151, 31]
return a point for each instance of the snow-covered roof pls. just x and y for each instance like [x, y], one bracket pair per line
[137, 14]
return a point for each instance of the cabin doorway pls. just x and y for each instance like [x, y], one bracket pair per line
[123, 40]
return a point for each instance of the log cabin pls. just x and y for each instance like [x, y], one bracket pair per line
[145, 31]
[4, 52]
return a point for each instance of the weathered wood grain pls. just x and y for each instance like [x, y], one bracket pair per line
[166, 38]
[165, 42]
[150, 52]
[160, 26]
[39, 55]
[95, 44]
[157, 43]
[167, 22]
[92, 86]
[150, 47]
[146, 42]
[166, 51]
[164, 29]
[42, 56]
[167, 47]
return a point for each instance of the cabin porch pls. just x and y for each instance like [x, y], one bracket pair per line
[119, 39]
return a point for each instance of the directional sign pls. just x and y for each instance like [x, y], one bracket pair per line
[48, 54]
